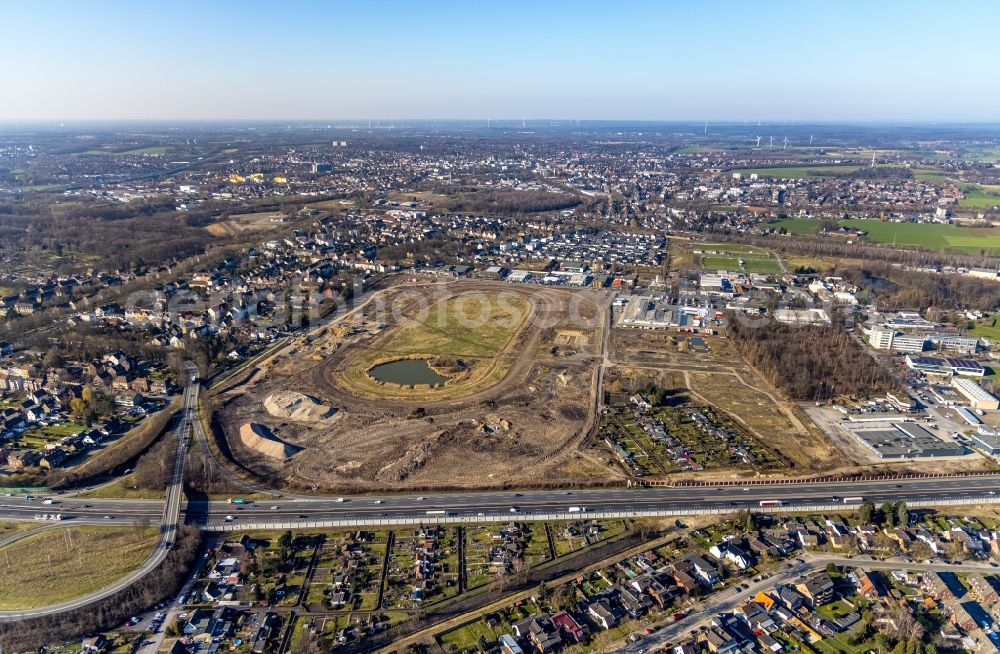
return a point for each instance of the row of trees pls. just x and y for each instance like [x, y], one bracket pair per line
[117, 455]
[890, 515]
[810, 362]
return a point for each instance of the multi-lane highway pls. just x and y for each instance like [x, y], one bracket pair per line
[290, 511]
[168, 514]
[526, 504]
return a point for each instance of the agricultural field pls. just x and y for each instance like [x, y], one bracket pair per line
[926, 235]
[61, 564]
[930, 236]
[980, 197]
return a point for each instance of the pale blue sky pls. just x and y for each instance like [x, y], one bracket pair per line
[659, 60]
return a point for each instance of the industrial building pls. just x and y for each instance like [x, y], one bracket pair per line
[904, 440]
[649, 312]
[979, 398]
[987, 439]
[943, 366]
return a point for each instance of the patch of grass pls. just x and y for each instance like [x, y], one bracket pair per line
[762, 266]
[473, 328]
[720, 263]
[989, 328]
[797, 226]
[60, 564]
[125, 487]
[11, 527]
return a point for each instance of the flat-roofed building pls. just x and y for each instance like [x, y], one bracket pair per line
[987, 439]
[979, 397]
[945, 366]
[904, 440]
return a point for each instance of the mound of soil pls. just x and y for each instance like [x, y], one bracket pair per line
[298, 407]
[260, 439]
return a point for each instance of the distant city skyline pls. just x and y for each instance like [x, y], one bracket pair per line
[714, 61]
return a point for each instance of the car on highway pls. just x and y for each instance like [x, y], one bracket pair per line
[230, 518]
[514, 509]
[379, 501]
[109, 517]
[340, 499]
[274, 507]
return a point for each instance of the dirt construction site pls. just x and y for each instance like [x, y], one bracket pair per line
[515, 370]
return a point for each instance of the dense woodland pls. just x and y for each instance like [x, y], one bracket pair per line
[895, 288]
[506, 202]
[810, 362]
[123, 237]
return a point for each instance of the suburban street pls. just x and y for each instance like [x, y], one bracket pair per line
[729, 599]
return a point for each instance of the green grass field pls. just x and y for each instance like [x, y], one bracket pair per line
[473, 327]
[980, 196]
[61, 564]
[762, 266]
[989, 328]
[930, 236]
[727, 256]
[926, 235]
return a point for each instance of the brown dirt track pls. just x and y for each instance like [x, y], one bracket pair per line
[546, 396]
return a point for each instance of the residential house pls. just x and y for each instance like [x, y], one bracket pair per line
[567, 626]
[605, 613]
[818, 589]
[981, 587]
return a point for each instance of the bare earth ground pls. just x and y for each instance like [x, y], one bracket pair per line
[524, 428]
[721, 378]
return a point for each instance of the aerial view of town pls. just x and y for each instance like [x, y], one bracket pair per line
[612, 329]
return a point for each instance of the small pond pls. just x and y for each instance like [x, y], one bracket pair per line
[406, 372]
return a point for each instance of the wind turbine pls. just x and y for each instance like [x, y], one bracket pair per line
[758, 141]
[706, 127]
[785, 144]
[873, 158]
[770, 143]
[810, 139]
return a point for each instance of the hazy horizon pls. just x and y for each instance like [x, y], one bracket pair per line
[111, 61]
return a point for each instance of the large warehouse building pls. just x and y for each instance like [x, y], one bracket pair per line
[979, 398]
[904, 440]
[944, 366]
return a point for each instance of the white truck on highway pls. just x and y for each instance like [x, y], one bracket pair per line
[577, 509]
